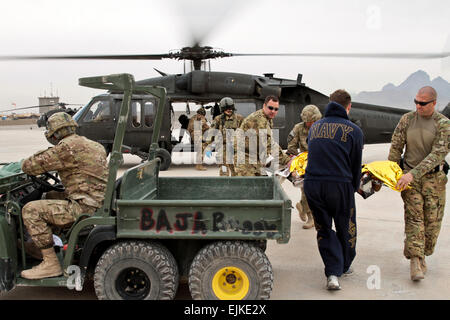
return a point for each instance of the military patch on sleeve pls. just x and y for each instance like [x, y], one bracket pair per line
[291, 136]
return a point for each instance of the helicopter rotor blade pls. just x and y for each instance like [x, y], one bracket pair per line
[24, 108]
[44, 105]
[419, 55]
[91, 57]
[70, 104]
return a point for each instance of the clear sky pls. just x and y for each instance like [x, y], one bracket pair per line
[52, 27]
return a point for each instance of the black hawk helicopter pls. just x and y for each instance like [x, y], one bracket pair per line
[97, 120]
[55, 107]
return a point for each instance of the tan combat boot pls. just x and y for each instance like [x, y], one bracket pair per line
[416, 271]
[200, 167]
[300, 212]
[423, 265]
[310, 223]
[50, 267]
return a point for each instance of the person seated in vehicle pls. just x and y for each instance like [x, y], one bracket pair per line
[103, 114]
[83, 169]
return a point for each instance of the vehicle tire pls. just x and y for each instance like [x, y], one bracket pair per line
[262, 244]
[136, 270]
[166, 159]
[231, 270]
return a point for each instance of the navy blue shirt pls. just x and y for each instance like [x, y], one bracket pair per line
[335, 148]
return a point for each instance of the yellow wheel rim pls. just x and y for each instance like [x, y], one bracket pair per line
[230, 283]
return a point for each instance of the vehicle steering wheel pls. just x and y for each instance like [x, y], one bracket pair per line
[45, 185]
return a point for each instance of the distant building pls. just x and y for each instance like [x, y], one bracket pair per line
[47, 104]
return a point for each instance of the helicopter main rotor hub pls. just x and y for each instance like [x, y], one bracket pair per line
[198, 53]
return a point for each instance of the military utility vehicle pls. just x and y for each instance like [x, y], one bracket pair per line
[154, 231]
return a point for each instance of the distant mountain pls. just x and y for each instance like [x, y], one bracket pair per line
[402, 96]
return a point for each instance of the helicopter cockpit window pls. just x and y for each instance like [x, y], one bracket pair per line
[136, 113]
[149, 113]
[99, 111]
[244, 108]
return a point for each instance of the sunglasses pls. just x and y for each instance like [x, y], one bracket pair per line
[272, 108]
[422, 103]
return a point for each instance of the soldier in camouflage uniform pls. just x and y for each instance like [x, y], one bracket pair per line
[201, 117]
[82, 167]
[227, 120]
[252, 152]
[426, 135]
[297, 141]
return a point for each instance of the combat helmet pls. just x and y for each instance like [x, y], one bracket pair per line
[311, 113]
[201, 111]
[226, 103]
[58, 126]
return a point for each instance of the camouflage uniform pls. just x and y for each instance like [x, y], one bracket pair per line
[256, 121]
[299, 135]
[424, 202]
[82, 167]
[200, 116]
[223, 123]
[297, 140]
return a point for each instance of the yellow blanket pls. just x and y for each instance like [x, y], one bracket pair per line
[299, 164]
[388, 172]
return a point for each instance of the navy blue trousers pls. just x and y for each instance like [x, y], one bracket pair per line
[333, 201]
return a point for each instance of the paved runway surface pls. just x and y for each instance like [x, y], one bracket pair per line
[297, 266]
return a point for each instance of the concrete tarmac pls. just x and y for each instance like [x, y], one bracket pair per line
[380, 270]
